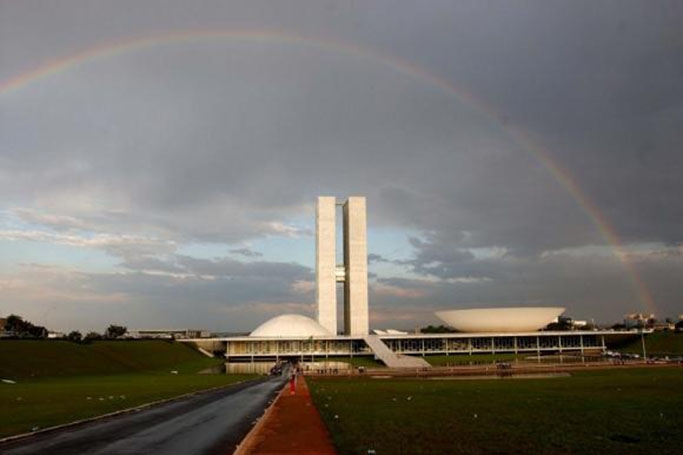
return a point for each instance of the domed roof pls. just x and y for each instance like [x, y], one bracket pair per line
[516, 319]
[290, 325]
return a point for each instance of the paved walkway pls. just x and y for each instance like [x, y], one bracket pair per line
[293, 426]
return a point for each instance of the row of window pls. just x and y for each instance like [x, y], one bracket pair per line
[287, 347]
[418, 345]
[493, 343]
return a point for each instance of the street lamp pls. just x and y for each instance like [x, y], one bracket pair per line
[642, 340]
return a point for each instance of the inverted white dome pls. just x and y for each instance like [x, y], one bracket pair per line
[290, 325]
[520, 319]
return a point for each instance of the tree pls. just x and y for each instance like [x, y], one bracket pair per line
[115, 331]
[679, 326]
[15, 324]
[437, 329]
[37, 331]
[92, 336]
[24, 329]
[74, 336]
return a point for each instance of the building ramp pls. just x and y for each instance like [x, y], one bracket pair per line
[390, 358]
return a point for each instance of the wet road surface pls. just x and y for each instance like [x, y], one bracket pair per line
[208, 423]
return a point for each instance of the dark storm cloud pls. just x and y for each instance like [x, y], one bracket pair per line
[225, 141]
[593, 286]
[599, 86]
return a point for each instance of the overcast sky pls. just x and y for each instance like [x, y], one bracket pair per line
[512, 153]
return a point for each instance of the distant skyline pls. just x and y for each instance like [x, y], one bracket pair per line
[160, 161]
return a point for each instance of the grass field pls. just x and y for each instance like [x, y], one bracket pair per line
[23, 359]
[58, 382]
[634, 411]
[50, 401]
[464, 359]
[657, 344]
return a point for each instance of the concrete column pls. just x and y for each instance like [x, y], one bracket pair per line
[325, 263]
[356, 320]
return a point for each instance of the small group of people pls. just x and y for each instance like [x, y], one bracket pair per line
[327, 370]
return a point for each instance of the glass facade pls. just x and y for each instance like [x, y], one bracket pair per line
[415, 345]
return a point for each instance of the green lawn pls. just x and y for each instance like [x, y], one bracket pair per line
[58, 382]
[634, 411]
[23, 359]
[657, 344]
[474, 359]
[51, 401]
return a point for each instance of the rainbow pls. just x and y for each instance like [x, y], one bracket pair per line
[524, 139]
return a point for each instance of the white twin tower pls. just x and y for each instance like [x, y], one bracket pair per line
[353, 272]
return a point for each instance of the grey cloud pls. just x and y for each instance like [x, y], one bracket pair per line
[227, 141]
[589, 286]
[373, 257]
[146, 263]
[236, 302]
[246, 252]
[231, 268]
[220, 268]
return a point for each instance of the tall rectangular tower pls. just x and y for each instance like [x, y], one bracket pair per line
[325, 262]
[356, 264]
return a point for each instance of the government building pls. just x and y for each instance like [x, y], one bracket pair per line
[479, 331]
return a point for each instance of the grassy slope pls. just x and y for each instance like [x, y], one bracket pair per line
[657, 343]
[607, 412]
[23, 359]
[59, 382]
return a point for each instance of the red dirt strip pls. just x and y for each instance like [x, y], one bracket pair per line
[293, 426]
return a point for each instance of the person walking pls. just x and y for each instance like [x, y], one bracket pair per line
[292, 383]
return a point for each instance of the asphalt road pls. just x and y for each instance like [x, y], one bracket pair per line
[208, 423]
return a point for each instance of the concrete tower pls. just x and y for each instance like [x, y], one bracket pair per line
[356, 267]
[326, 263]
[353, 272]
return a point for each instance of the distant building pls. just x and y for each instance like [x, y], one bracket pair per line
[664, 326]
[482, 330]
[639, 320]
[170, 333]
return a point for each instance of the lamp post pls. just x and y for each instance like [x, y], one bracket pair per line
[642, 340]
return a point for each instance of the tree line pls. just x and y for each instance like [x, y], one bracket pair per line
[18, 327]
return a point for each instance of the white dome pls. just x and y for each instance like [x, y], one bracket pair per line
[520, 319]
[290, 325]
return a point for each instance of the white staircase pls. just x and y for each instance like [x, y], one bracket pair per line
[390, 358]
